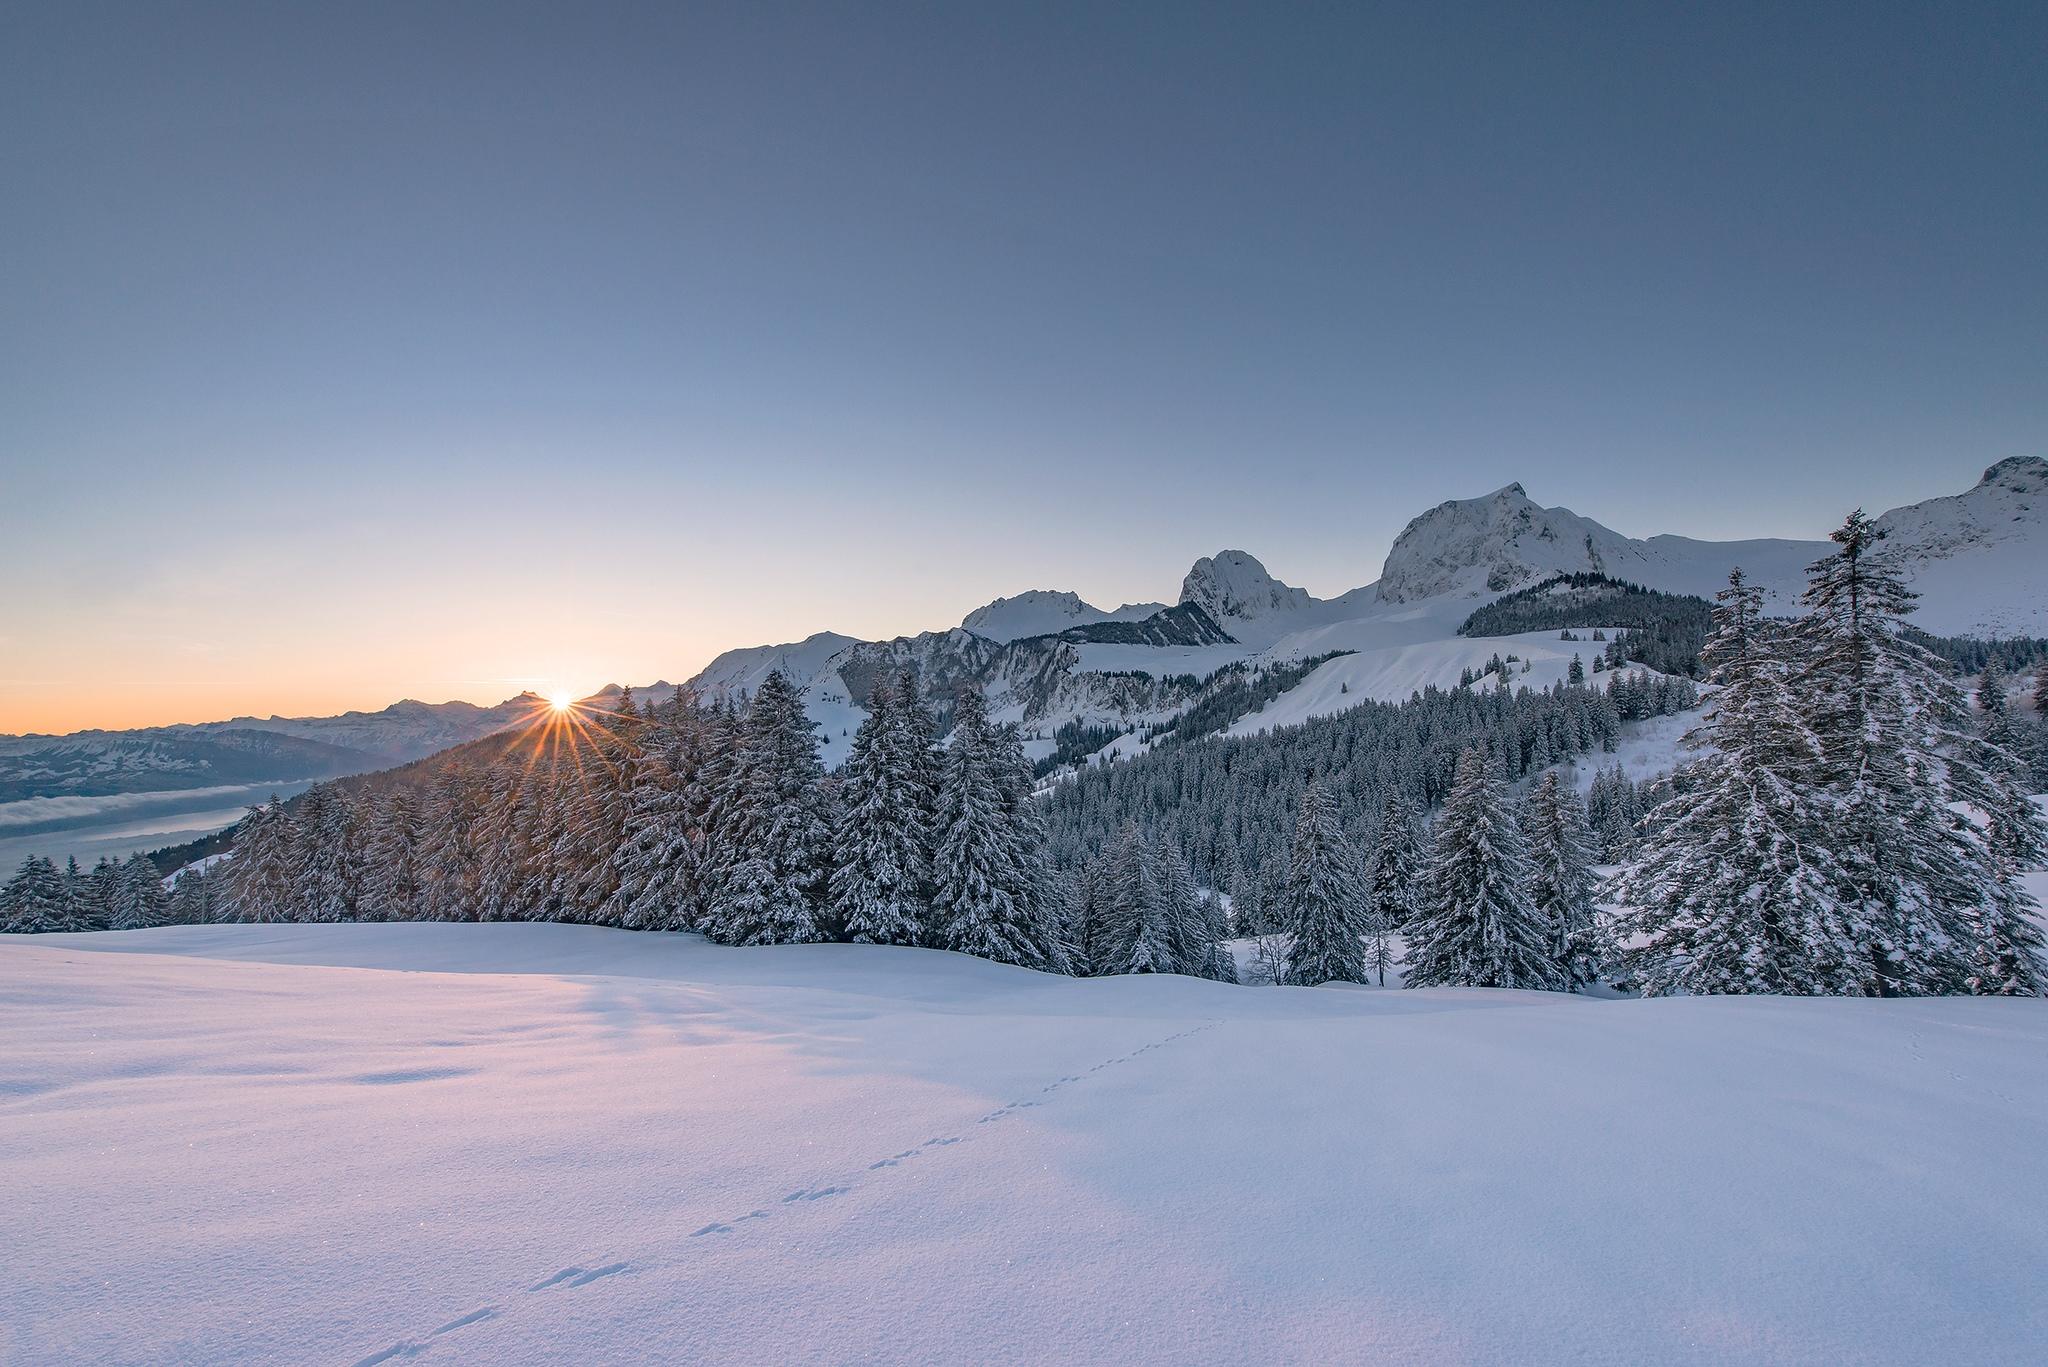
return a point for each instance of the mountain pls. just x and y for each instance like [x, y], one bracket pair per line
[1048, 659]
[243, 750]
[1979, 559]
[1046, 612]
[1484, 546]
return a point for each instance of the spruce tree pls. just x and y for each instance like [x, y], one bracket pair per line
[1135, 937]
[142, 902]
[1910, 879]
[986, 900]
[1561, 879]
[259, 873]
[34, 901]
[1733, 892]
[1324, 900]
[881, 856]
[391, 889]
[655, 863]
[775, 827]
[1477, 927]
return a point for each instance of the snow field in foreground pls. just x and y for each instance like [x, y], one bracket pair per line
[543, 1143]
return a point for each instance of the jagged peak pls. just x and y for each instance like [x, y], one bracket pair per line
[2023, 474]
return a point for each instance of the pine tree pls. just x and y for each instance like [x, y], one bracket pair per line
[2010, 958]
[192, 898]
[1910, 879]
[259, 875]
[776, 827]
[103, 893]
[142, 902]
[1561, 879]
[1134, 937]
[34, 901]
[1477, 927]
[882, 861]
[391, 888]
[1324, 899]
[656, 861]
[985, 900]
[1733, 891]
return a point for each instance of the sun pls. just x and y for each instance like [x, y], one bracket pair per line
[561, 702]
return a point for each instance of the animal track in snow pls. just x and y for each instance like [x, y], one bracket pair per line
[578, 1275]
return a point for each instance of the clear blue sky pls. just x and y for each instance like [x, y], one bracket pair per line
[435, 349]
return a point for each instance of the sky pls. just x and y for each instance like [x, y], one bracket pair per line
[432, 350]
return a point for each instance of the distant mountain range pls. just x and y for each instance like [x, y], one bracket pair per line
[1047, 659]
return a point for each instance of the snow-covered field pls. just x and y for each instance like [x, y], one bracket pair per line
[539, 1143]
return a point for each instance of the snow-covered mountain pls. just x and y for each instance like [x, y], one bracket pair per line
[1979, 559]
[1044, 612]
[1482, 547]
[1049, 658]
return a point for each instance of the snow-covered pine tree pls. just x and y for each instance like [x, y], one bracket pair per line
[448, 864]
[986, 900]
[1561, 878]
[775, 827]
[34, 902]
[142, 902]
[79, 913]
[1024, 824]
[103, 893]
[327, 870]
[192, 899]
[655, 861]
[1324, 906]
[881, 855]
[1911, 880]
[1393, 877]
[2010, 958]
[592, 791]
[508, 837]
[1732, 892]
[1477, 927]
[391, 887]
[259, 876]
[1134, 937]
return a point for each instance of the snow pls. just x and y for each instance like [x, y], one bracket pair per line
[1041, 612]
[1392, 673]
[1157, 661]
[537, 1143]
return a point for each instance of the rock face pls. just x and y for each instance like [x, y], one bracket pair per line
[1498, 543]
[1233, 587]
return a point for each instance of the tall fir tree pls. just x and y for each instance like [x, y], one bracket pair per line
[881, 853]
[34, 901]
[259, 873]
[986, 900]
[1324, 908]
[1909, 878]
[1561, 879]
[776, 827]
[142, 901]
[1733, 891]
[1477, 927]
